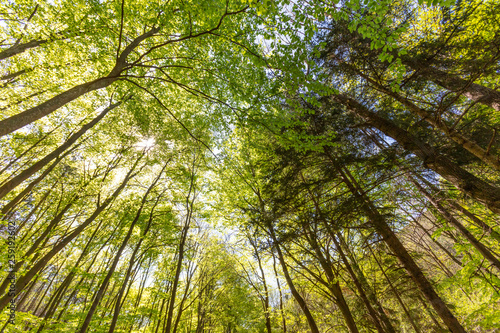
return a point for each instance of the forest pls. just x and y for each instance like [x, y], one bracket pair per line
[258, 166]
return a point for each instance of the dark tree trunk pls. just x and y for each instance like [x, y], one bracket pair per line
[381, 226]
[472, 91]
[466, 182]
[296, 295]
[466, 233]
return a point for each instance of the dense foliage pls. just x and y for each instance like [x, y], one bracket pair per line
[250, 166]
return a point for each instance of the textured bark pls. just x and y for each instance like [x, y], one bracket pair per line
[451, 133]
[466, 182]
[472, 91]
[20, 48]
[381, 226]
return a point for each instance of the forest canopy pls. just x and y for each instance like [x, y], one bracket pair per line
[207, 166]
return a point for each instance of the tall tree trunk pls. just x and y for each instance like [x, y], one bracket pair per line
[394, 291]
[332, 281]
[455, 205]
[111, 270]
[264, 283]
[8, 208]
[466, 182]
[296, 295]
[60, 291]
[283, 317]
[466, 233]
[34, 247]
[131, 265]
[175, 283]
[357, 283]
[472, 91]
[451, 133]
[14, 160]
[381, 226]
[24, 280]
[24, 118]
[14, 182]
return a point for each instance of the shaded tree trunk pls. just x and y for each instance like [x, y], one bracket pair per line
[466, 182]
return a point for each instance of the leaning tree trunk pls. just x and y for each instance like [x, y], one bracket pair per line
[24, 118]
[485, 252]
[111, 270]
[472, 91]
[333, 284]
[467, 143]
[180, 258]
[118, 303]
[381, 226]
[24, 280]
[466, 182]
[14, 182]
[302, 303]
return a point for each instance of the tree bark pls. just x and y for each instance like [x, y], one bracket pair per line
[472, 91]
[11, 184]
[24, 118]
[381, 226]
[466, 182]
[467, 143]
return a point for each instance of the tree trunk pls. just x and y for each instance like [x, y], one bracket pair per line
[454, 222]
[111, 270]
[472, 91]
[130, 266]
[381, 226]
[333, 284]
[24, 118]
[394, 291]
[467, 143]
[466, 182]
[11, 184]
[295, 293]
[24, 280]
[189, 207]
